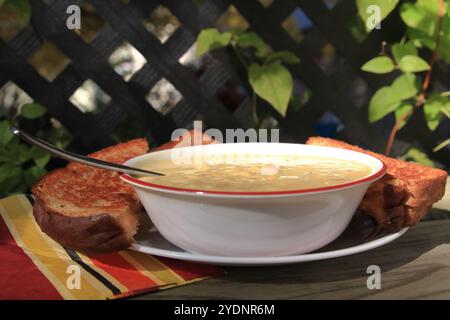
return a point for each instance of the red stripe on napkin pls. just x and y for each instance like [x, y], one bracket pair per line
[122, 271]
[21, 279]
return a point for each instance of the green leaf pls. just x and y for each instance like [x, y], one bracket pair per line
[410, 63]
[39, 156]
[385, 6]
[5, 153]
[32, 110]
[5, 132]
[42, 161]
[21, 7]
[382, 103]
[2, 2]
[253, 40]
[273, 83]
[399, 50]
[284, 56]
[15, 152]
[418, 16]
[379, 65]
[405, 86]
[418, 156]
[35, 152]
[421, 19]
[431, 6]
[31, 174]
[11, 181]
[59, 136]
[444, 48]
[388, 99]
[401, 113]
[432, 110]
[210, 39]
[5, 170]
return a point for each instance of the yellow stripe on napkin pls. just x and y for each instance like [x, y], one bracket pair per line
[48, 255]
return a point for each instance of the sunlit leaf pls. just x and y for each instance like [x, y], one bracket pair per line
[432, 110]
[419, 17]
[403, 113]
[410, 63]
[379, 65]
[399, 50]
[385, 6]
[273, 83]
[389, 98]
[210, 39]
[382, 103]
[405, 86]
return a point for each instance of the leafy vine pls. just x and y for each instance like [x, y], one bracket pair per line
[428, 23]
[267, 73]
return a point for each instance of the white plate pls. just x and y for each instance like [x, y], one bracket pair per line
[361, 235]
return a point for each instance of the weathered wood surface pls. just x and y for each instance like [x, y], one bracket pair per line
[416, 266]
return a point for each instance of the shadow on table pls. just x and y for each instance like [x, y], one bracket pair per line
[417, 241]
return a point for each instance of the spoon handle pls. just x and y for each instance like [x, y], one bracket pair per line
[70, 156]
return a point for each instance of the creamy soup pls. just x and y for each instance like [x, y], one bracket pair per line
[274, 173]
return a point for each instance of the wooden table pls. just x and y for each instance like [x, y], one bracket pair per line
[415, 266]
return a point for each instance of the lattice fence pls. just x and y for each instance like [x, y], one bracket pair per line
[204, 93]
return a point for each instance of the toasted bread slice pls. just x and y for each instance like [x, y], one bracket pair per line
[404, 195]
[90, 209]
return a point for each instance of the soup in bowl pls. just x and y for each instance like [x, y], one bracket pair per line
[253, 199]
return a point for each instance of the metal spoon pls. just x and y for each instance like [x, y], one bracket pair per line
[70, 156]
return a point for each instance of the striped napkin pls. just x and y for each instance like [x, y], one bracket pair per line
[33, 266]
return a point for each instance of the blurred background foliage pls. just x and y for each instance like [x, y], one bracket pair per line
[21, 165]
[428, 26]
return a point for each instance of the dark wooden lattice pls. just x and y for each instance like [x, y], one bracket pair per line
[200, 98]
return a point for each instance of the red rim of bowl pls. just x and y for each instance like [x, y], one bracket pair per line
[373, 176]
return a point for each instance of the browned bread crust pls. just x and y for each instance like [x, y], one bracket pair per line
[90, 209]
[99, 232]
[404, 195]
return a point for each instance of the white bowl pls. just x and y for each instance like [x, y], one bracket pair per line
[254, 224]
